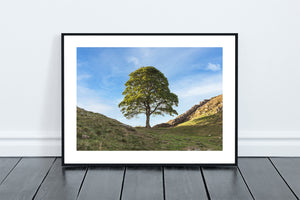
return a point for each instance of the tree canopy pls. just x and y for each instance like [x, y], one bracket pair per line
[147, 91]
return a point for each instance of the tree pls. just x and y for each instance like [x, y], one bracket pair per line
[147, 91]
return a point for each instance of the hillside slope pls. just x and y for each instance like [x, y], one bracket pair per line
[98, 132]
[213, 106]
[200, 129]
[206, 109]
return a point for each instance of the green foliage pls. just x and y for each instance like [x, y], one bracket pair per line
[147, 91]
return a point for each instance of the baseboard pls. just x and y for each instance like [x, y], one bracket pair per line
[30, 143]
[250, 143]
[269, 143]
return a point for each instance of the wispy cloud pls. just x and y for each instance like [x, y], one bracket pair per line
[213, 67]
[83, 76]
[193, 89]
[201, 90]
[82, 63]
[134, 60]
[90, 100]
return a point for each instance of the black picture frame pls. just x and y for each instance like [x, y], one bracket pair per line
[63, 89]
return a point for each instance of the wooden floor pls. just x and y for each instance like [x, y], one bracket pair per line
[254, 178]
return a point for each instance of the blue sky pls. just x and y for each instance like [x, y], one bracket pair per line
[194, 74]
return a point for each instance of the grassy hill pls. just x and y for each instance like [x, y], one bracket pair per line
[98, 132]
[202, 130]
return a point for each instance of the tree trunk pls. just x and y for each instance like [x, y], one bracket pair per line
[148, 120]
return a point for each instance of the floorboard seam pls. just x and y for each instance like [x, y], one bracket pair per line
[11, 170]
[122, 186]
[205, 185]
[81, 184]
[43, 179]
[245, 182]
[283, 178]
[164, 184]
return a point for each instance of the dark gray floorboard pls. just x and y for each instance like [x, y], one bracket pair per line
[143, 183]
[24, 180]
[184, 183]
[6, 165]
[61, 183]
[225, 183]
[263, 180]
[289, 168]
[102, 183]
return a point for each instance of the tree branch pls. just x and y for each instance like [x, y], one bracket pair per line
[156, 107]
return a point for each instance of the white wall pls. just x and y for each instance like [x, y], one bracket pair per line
[269, 67]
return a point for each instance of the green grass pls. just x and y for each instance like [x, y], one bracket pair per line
[98, 132]
[202, 133]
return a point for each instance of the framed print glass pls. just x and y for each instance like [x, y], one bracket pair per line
[168, 99]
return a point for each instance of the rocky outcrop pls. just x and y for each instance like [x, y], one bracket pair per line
[213, 106]
[183, 117]
[204, 108]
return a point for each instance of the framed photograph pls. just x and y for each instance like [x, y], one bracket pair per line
[166, 99]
